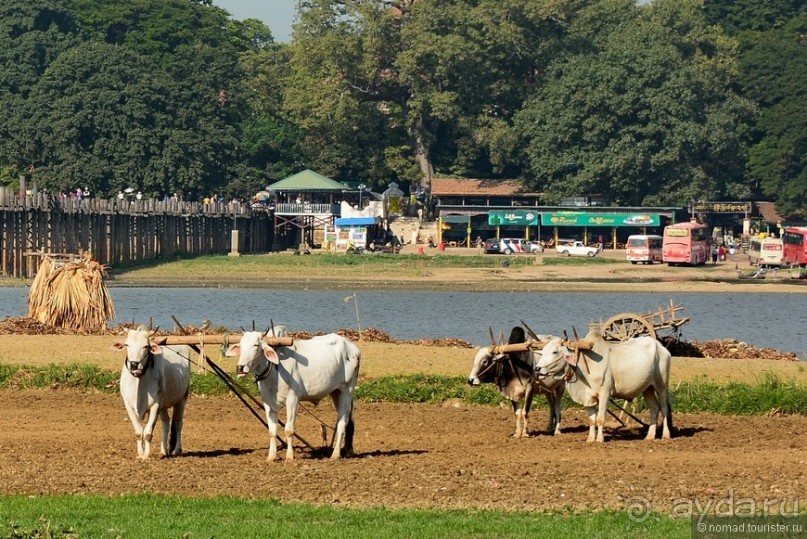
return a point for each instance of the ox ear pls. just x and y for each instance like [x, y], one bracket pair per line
[120, 345]
[234, 350]
[155, 348]
[270, 354]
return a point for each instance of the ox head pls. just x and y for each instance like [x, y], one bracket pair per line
[485, 366]
[560, 354]
[554, 358]
[483, 369]
[140, 350]
[252, 351]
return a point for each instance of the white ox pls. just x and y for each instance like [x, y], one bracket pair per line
[514, 376]
[309, 370]
[620, 370]
[154, 379]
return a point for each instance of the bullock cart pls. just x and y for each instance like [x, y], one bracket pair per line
[624, 326]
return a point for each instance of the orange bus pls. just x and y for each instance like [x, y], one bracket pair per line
[685, 243]
[795, 244]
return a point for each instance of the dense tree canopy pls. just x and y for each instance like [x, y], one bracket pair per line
[642, 110]
[653, 103]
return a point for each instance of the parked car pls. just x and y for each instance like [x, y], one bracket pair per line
[575, 248]
[519, 245]
[492, 246]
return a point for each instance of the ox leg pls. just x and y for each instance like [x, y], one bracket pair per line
[652, 404]
[271, 421]
[291, 417]
[148, 430]
[165, 421]
[666, 413]
[555, 400]
[592, 423]
[138, 429]
[517, 413]
[350, 429]
[175, 445]
[343, 401]
[601, 411]
[525, 416]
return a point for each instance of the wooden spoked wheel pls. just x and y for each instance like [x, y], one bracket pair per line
[624, 326]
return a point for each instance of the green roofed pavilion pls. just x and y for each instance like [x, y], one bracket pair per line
[307, 181]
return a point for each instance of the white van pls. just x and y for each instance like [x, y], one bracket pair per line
[643, 248]
[509, 246]
[766, 252]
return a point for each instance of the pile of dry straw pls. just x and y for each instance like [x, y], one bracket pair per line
[71, 295]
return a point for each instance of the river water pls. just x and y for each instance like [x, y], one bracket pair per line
[775, 320]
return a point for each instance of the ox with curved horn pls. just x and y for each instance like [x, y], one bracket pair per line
[623, 370]
[511, 368]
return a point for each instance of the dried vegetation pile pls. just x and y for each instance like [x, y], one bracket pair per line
[71, 295]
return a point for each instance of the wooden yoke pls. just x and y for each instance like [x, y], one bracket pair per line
[518, 347]
[217, 339]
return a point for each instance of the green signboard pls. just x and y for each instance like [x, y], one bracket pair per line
[513, 217]
[580, 218]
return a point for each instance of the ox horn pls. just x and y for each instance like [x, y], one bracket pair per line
[492, 338]
[501, 337]
[154, 331]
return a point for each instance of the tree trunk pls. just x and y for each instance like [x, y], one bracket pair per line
[422, 151]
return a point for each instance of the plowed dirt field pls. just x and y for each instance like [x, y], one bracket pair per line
[450, 456]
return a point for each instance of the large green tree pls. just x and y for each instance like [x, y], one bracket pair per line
[776, 78]
[641, 107]
[33, 33]
[405, 88]
[108, 94]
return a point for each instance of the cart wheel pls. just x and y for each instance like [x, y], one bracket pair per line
[625, 326]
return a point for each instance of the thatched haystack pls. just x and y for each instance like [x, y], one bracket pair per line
[71, 295]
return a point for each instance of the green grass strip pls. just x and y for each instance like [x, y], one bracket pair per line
[769, 394]
[153, 517]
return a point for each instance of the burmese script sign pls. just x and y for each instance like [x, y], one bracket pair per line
[580, 218]
[722, 207]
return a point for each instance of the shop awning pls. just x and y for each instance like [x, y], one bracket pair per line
[356, 221]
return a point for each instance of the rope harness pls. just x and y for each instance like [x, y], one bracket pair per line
[144, 365]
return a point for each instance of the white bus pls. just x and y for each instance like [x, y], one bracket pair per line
[766, 252]
[644, 248]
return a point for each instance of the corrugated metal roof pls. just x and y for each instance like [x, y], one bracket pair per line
[307, 180]
[468, 186]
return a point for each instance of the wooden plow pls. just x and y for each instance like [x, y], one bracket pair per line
[197, 342]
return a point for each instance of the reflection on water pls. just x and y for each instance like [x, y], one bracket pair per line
[761, 319]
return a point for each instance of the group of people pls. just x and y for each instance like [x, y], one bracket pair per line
[719, 252]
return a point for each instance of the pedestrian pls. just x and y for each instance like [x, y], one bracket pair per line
[715, 254]
[721, 251]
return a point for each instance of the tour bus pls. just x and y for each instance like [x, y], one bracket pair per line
[765, 252]
[685, 243]
[644, 248]
[795, 246]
